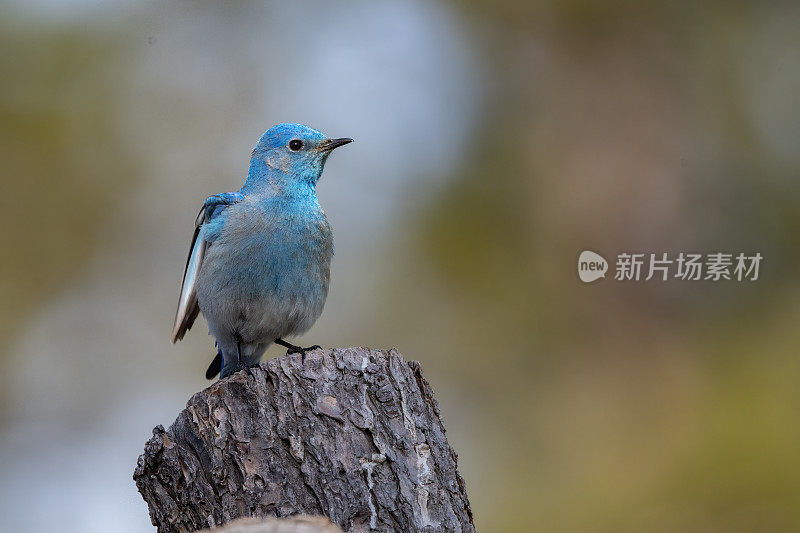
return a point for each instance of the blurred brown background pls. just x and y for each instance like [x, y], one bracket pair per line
[494, 142]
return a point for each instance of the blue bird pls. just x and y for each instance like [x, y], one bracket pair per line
[259, 262]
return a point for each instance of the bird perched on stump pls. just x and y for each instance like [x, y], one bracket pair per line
[259, 263]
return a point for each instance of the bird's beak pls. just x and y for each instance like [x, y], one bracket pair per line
[329, 144]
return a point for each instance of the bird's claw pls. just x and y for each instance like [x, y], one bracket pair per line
[291, 348]
[247, 368]
[302, 351]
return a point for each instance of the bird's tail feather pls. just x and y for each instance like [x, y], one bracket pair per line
[215, 367]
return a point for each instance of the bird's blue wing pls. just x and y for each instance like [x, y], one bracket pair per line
[188, 309]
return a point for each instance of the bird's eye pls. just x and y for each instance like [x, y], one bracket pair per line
[295, 145]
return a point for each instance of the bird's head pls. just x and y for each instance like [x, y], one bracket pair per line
[292, 152]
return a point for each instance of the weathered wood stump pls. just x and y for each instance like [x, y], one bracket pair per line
[352, 434]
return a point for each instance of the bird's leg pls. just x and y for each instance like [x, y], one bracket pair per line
[291, 348]
[240, 365]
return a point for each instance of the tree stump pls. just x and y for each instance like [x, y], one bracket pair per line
[352, 434]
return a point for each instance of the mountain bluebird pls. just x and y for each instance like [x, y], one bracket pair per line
[259, 264]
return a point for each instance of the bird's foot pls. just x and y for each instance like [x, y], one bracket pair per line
[291, 348]
[244, 366]
[301, 350]
[310, 348]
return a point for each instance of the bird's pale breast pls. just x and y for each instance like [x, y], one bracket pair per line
[266, 274]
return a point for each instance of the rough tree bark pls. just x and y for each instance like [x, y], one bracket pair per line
[352, 434]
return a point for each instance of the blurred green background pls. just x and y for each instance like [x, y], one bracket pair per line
[494, 142]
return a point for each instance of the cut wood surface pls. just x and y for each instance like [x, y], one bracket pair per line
[351, 434]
